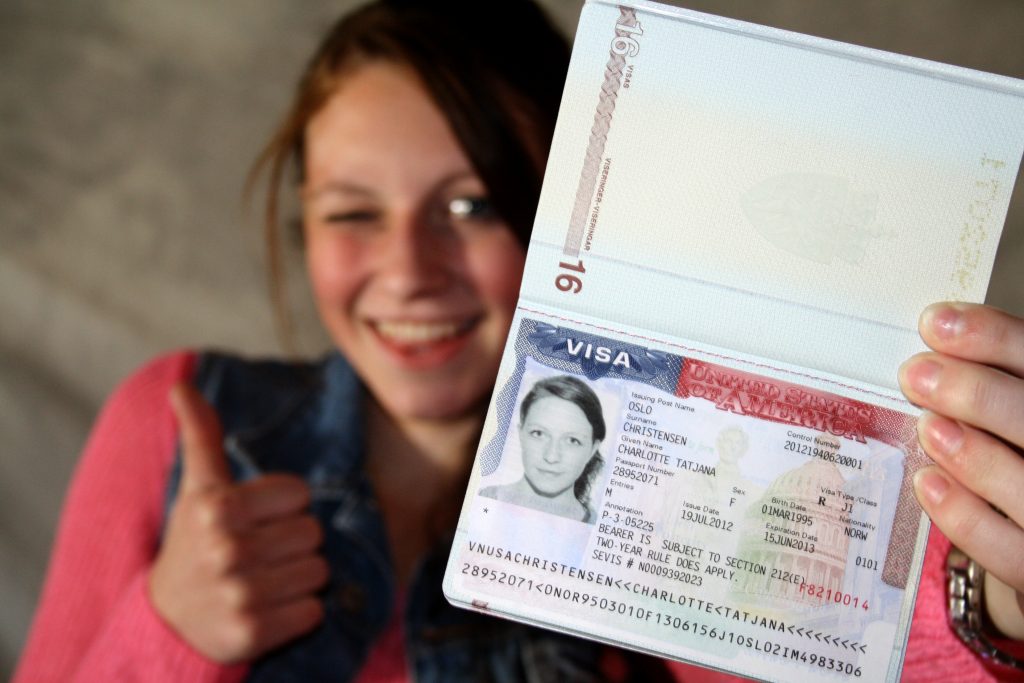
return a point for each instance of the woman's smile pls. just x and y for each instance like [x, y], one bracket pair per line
[424, 345]
[408, 332]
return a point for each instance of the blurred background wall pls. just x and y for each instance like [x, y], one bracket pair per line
[126, 130]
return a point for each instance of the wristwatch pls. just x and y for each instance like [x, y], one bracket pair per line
[967, 608]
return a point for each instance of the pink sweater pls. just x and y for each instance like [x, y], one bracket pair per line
[95, 621]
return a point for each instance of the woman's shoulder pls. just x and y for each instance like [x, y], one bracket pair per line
[132, 441]
[506, 493]
[219, 375]
[277, 367]
[498, 492]
[152, 380]
[219, 370]
[251, 391]
[169, 366]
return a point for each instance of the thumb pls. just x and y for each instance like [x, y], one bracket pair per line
[203, 464]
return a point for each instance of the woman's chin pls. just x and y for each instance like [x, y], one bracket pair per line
[427, 405]
[546, 489]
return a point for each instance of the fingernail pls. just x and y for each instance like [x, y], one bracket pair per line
[945, 434]
[922, 376]
[944, 321]
[931, 485]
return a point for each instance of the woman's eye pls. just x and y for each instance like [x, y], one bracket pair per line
[472, 208]
[350, 217]
[536, 433]
[574, 441]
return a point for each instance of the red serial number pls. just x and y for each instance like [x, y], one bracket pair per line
[827, 595]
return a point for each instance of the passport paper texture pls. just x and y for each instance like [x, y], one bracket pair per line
[696, 446]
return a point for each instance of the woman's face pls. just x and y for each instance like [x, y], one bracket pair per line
[558, 442]
[414, 277]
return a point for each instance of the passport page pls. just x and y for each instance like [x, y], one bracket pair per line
[696, 446]
[815, 192]
[717, 508]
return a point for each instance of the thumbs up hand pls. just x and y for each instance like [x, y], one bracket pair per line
[238, 568]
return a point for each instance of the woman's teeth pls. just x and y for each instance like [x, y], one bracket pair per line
[417, 333]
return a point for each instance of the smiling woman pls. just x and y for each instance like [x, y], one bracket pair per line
[561, 428]
[273, 520]
[415, 274]
[295, 518]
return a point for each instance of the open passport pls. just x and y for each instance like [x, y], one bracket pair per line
[696, 447]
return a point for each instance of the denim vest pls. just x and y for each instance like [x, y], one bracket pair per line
[306, 419]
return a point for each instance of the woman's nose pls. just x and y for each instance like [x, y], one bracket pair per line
[413, 261]
[552, 453]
